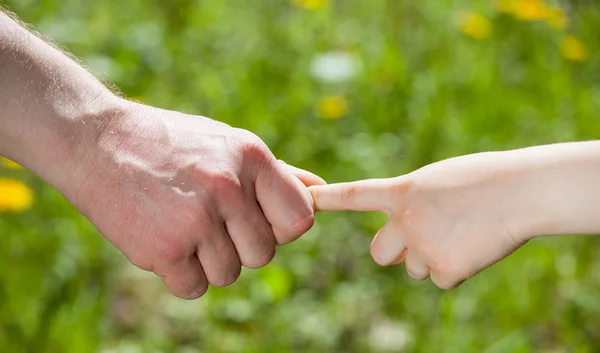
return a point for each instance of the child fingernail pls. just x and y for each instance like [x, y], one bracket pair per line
[400, 257]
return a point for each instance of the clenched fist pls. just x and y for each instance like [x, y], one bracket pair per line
[184, 196]
[189, 198]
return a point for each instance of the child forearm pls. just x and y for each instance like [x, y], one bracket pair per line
[451, 219]
[559, 192]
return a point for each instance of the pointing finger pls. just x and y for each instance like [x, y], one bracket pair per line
[363, 195]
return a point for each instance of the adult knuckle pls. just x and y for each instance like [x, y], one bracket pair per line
[227, 275]
[262, 259]
[217, 179]
[170, 249]
[140, 261]
[192, 218]
[199, 172]
[300, 221]
[202, 221]
[251, 146]
[225, 184]
[226, 181]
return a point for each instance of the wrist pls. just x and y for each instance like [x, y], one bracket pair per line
[60, 146]
[51, 109]
[513, 182]
[518, 194]
[80, 141]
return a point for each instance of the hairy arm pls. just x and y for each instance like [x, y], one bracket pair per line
[46, 100]
[186, 197]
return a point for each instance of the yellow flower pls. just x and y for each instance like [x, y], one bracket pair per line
[474, 25]
[311, 4]
[9, 164]
[506, 6]
[14, 195]
[573, 49]
[557, 18]
[530, 10]
[534, 10]
[332, 107]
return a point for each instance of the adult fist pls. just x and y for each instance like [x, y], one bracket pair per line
[187, 197]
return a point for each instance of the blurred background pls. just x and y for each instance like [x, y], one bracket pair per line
[349, 89]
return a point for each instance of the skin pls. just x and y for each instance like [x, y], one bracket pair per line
[186, 197]
[193, 200]
[452, 219]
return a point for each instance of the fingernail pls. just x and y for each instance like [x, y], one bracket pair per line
[400, 258]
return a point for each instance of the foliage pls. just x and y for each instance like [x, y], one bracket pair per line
[428, 80]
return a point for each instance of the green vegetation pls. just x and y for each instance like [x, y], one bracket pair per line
[432, 81]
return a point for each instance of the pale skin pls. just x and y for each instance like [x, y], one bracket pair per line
[452, 219]
[193, 200]
[186, 197]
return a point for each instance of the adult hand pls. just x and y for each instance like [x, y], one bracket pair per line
[184, 196]
[187, 197]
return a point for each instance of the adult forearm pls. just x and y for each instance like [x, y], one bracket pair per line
[48, 104]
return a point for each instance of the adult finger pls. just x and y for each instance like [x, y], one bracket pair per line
[251, 235]
[362, 195]
[389, 244]
[218, 257]
[184, 279]
[416, 267]
[306, 177]
[285, 202]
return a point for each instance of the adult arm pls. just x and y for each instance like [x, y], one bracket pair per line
[187, 197]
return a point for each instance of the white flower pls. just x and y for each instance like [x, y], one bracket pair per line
[334, 66]
[389, 336]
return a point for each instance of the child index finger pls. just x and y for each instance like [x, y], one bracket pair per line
[362, 195]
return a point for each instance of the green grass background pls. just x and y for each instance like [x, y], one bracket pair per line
[425, 92]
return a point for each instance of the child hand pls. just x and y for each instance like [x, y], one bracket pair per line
[448, 221]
